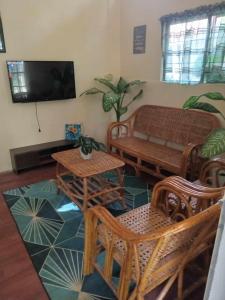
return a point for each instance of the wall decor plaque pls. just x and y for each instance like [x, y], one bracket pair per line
[139, 39]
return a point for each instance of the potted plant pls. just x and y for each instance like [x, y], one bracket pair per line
[87, 145]
[215, 143]
[115, 98]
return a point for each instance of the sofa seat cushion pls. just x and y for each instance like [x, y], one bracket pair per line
[150, 152]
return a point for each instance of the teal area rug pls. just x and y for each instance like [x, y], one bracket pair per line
[52, 228]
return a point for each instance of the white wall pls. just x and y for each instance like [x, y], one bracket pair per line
[84, 31]
[147, 66]
[98, 36]
[215, 288]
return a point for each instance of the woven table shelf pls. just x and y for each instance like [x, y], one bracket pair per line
[100, 190]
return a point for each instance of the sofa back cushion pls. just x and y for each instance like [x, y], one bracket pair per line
[174, 124]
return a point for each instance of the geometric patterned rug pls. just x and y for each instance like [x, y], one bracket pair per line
[52, 229]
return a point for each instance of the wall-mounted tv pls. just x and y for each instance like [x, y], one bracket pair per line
[32, 81]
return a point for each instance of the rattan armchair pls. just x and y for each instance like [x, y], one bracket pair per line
[213, 172]
[150, 243]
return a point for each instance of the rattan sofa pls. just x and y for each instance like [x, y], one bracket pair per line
[158, 140]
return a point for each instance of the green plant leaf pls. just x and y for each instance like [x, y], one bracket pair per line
[102, 147]
[135, 82]
[190, 102]
[138, 95]
[89, 148]
[215, 143]
[122, 85]
[95, 145]
[123, 110]
[81, 140]
[88, 141]
[109, 99]
[206, 107]
[92, 91]
[107, 83]
[84, 150]
[106, 103]
[214, 96]
[109, 77]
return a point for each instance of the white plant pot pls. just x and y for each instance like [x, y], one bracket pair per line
[85, 156]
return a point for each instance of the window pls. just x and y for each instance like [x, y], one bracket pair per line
[2, 42]
[193, 45]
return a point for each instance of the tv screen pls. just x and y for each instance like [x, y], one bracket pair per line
[32, 81]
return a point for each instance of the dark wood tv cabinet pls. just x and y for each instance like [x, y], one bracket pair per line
[36, 155]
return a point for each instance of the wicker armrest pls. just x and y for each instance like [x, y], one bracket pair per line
[211, 171]
[196, 186]
[189, 158]
[180, 199]
[123, 129]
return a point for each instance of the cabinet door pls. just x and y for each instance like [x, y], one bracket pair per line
[26, 160]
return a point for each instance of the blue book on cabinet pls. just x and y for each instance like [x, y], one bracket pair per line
[72, 132]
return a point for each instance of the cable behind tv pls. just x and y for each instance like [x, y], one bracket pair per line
[37, 118]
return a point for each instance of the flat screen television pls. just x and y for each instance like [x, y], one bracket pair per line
[32, 81]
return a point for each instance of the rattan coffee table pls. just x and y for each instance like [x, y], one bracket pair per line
[82, 181]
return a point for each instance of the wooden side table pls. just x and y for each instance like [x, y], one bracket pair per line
[85, 184]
